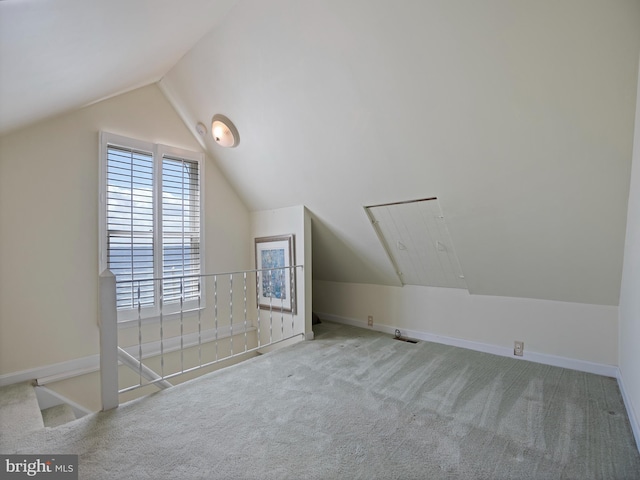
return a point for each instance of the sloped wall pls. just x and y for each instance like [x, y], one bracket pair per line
[630, 292]
[517, 115]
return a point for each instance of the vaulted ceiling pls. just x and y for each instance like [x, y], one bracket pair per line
[517, 116]
[57, 55]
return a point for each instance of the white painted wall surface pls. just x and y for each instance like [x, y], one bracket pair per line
[49, 225]
[630, 292]
[517, 115]
[284, 221]
[573, 330]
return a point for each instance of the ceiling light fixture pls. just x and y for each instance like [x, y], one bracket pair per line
[224, 131]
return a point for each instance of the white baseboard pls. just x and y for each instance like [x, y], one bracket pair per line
[634, 420]
[546, 359]
[82, 366]
[78, 366]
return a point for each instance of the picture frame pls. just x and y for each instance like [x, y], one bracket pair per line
[276, 280]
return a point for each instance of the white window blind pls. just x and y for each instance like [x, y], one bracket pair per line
[130, 224]
[180, 228]
[152, 221]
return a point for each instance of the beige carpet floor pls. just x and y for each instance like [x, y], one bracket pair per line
[357, 404]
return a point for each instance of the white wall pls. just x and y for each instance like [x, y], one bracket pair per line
[573, 330]
[284, 221]
[517, 115]
[629, 328]
[49, 225]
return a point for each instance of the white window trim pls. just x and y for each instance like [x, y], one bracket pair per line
[159, 151]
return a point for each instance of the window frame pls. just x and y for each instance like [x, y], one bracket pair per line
[158, 152]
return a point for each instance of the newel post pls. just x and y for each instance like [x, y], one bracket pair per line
[108, 322]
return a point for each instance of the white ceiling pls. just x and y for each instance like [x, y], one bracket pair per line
[518, 116]
[57, 55]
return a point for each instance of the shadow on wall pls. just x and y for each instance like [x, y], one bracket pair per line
[335, 260]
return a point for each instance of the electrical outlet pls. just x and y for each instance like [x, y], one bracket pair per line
[518, 348]
[370, 320]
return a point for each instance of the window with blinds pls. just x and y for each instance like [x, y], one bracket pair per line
[152, 215]
[180, 229]
[130, 224]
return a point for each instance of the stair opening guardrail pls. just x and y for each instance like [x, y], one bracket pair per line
[193, 322]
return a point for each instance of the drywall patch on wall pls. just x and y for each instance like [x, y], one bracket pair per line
[417, 240]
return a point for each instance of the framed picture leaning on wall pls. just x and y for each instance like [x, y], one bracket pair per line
[276, 281]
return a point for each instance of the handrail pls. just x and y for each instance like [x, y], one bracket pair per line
[207, 275]
[248, 311]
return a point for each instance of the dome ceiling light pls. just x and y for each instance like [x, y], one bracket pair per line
[224, 131]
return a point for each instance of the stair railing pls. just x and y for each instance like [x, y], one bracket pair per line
[189, 323]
